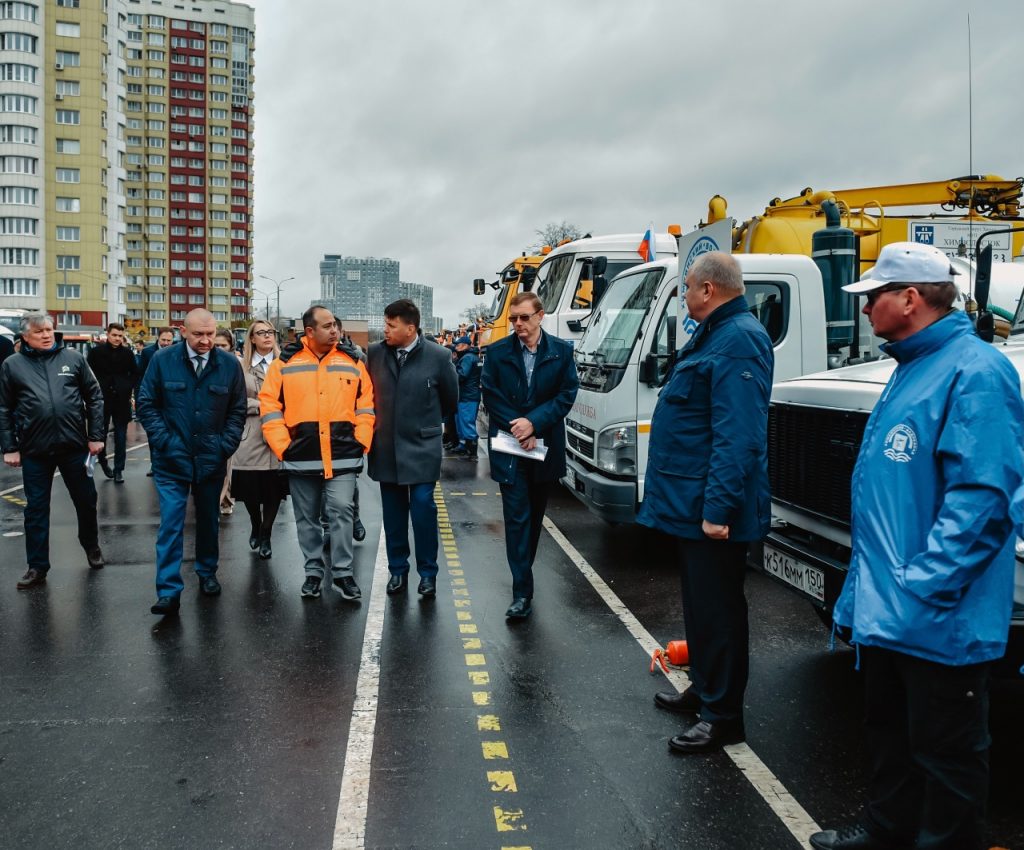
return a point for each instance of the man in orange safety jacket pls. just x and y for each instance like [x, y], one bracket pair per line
[316, 408]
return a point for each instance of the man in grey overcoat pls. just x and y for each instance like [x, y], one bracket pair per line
[415, 388]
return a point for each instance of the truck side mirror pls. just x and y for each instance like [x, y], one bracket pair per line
[652, 369]
[986, 322]
[600, 265]
[600, 285]
[528, 277]
[479, 287]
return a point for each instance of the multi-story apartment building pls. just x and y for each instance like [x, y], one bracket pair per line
[125, 159]
[361, 287]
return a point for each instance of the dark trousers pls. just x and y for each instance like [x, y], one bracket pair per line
[120, 437]
[523, 503]
[399, 502]
[170, 537]
[926, 733]
[715, 614]
[37, 475]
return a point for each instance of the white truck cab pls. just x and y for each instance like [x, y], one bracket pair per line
[628, 346]
[565, 278]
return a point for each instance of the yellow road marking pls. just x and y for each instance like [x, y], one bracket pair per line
[468, 628]
[494, 750]
[488, 723]
[475, 660]
[481, 698]
[508, 820]
[502, 781]
[472, 643]
[479, 677]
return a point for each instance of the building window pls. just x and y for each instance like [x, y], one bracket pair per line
[65, 319]
[69, 30]
[68, 87]
[71, 262]
[69, 204]
[68, 59]
[68, 234]
[18, 41]
[71, 290]
[69, 146]
[13, 11]
[18, 103]
[22, 195]
[18, 165]
[16, 72]
[19, 256]
[68, 116]
[68, 4]
[19, 226]
[19, 286]
[69, 175]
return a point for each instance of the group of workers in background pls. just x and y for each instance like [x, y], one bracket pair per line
[927, 598]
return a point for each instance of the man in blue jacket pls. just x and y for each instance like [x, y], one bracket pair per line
[707, 484]
[467, 366]
[929, 592]
[529, 383]
[192, 404]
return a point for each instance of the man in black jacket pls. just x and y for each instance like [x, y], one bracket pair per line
[113, 364]
[51, 417]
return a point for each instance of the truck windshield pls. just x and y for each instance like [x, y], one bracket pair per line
[499, 302]
[619, 318]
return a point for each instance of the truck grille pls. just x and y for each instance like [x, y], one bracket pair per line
[811, 454]
[577, 442]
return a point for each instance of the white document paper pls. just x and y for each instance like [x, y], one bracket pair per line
[505, 443]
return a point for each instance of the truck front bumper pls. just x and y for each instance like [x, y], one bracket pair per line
[611, 500]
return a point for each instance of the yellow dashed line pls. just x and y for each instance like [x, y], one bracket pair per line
[499, 781]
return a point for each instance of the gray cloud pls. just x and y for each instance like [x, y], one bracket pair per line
[444, 134]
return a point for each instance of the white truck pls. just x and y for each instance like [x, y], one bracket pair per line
[565, 280]
[622, 359]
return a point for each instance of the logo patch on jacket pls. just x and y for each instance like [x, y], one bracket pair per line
[901, 444]
[65, 372]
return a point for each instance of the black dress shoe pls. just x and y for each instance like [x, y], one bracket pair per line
[853, 837]
[95, 558]
[118, 476]
[166, 606]
[397, 584]
[254, 542]
[31, 579]
[705, 737]
[105, 467]
[149, 474]
[519, 609]
[209, 586]
[428, 586]
[685, 703]
[265, 550]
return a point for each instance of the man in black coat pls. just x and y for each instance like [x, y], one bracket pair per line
[414, 389]
[529, 384]
[113, 364]
[51, 417]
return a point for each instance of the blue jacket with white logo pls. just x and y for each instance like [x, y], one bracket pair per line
[708, 456]
[931, 573]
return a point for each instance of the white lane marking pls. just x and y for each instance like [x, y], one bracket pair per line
[793, 816]
[10, 490]
[350, 823]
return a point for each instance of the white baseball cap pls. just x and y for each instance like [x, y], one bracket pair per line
[905, 262]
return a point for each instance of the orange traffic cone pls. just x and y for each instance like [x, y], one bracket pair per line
[677, 653]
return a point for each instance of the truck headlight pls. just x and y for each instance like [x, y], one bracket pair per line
[616, 450]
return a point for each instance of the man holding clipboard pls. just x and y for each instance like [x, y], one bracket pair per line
[529, 383]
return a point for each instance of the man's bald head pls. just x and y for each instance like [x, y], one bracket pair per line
[200, 328]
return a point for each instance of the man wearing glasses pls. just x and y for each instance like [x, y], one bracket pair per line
[529, 383]
[929, 591]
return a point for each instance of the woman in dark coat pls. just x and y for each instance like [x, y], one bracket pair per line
[255, 480]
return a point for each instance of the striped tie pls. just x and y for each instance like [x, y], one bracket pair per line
[200, 363]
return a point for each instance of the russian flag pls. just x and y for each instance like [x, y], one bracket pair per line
[646, 248]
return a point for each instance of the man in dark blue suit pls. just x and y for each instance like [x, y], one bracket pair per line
[529, 384]
[192, 404]
[707, 484]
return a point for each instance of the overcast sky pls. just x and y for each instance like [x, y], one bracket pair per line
[444, 134]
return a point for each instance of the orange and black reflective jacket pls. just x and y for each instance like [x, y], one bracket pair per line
[317, 415]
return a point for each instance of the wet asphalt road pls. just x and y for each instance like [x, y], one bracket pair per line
[230, 727]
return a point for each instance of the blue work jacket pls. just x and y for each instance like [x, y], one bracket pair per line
[545, 401]
[931, 574]
[708, 456]
[193, 424]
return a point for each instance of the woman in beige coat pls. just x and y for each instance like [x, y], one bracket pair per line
[255, 479]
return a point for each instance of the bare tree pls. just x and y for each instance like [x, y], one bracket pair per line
[552, 233]
[481, 308]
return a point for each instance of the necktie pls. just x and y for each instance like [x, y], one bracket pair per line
[402, 354]
[200, 362]
[261, 368]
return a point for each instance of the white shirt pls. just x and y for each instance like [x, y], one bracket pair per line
[268, 357]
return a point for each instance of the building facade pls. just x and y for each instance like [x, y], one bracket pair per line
[125, 160]
[361, 287]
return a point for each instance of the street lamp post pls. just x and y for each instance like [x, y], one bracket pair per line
[267, 294]
[277, 286]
